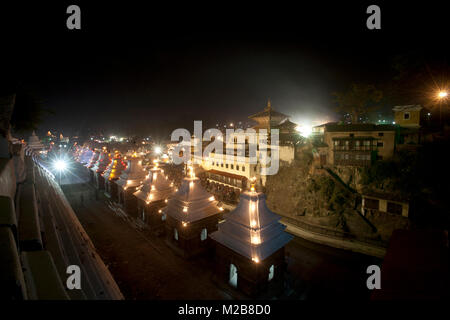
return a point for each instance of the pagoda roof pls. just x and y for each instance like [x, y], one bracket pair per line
[191, 202]
[252, 230]
[134, 174]
[156, 187]
[268, 112]
[114, 169]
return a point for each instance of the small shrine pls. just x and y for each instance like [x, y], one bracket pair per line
[191, 215]
[250, 246]
[152, 196]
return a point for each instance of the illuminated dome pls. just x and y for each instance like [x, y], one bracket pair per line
[156, 187]
[191, 202]
[115, 168]
[134, 175]
[251, 229]
[102, 162]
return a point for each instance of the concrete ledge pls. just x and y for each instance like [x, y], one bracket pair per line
[355, 246]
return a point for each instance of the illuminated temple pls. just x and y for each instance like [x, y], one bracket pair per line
[111, 174]
[97, 170]
[128, 182]
[233, 174]
[191, 214]
[152, 196]
[250, 246]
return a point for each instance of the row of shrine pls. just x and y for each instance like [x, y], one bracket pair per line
[249, 241]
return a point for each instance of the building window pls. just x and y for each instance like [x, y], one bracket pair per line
[237, 167]
[221, 165]
[352, 135]
[271, 272]
[394, 208]
[406, 116]
[226, 165]
[175, 234]
[203, 234]
[232, 166]
[371, 203]
[380, 134]
[163, 217]
[380, 144]
[243, 168]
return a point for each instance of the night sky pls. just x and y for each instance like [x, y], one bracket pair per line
[136, 69]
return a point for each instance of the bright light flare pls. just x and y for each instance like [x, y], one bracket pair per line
[304, 130]
[60, 165]
[157, 150]
[442, 94]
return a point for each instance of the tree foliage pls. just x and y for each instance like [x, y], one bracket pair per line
[28, 112]
[358, 100]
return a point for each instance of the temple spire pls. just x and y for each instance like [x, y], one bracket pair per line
[269, 104]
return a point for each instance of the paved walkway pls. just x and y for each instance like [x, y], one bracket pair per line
[351, 245]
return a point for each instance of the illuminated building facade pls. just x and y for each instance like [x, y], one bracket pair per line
[250, 246]
[235, 173]
[357, 144]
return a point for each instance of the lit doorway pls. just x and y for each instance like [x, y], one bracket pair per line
[233, 276]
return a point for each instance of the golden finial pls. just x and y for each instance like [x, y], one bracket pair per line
[269, 104]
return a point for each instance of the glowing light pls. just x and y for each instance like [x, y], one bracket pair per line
[166, 201]
[253, 223]
[185, 209]
[256, 239]
[160, 211]
[220, 208]
[191, 184]
[211, 198]
[60, 165]
[442, 94]
[157, 150]
[255, 259]
[184, 224]
[304, 130]
[153, 188]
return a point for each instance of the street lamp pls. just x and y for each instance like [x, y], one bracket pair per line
[441, 96]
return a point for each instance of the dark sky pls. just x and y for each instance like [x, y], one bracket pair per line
[150, 69]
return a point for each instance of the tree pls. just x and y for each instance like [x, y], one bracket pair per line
[28, 112]
[358, 100]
